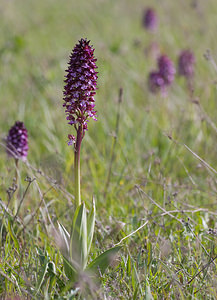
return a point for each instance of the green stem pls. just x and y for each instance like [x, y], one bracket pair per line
[15, 196]
[77, 166]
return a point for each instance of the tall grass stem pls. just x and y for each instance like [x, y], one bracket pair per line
[114, 142]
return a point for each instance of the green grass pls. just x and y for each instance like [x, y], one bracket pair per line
[154, 178]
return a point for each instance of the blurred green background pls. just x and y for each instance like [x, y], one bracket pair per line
[36, 38]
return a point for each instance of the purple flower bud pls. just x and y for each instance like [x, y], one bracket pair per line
[166, 69]
[150, 19]
[156, 82]
[186, 63]
[81, 81]
[17, 141]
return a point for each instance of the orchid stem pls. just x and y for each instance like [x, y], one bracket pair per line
[77, 166]
[17, 186]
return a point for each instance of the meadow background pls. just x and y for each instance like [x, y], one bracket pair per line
[160, 152]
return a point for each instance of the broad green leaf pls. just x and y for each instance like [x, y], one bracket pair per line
[65, 237]
[78, 240]
[103, 260]
[65, 232]
[90, 226]
[70, 271]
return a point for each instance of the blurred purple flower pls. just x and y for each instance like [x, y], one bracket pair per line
[159, 80]
[150, 21]
[17, 141]
[186, 63]
[156, 82]
[166, 69]
[81, 81]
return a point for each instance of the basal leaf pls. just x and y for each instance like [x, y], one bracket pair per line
[103, 260]
[78, 240]
[70, 271]
[90, 226]
[65, 238]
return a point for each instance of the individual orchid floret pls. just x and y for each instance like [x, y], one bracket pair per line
[71, 140]
[81, 84]
[186, 63]
[150, 21]
[17, 141]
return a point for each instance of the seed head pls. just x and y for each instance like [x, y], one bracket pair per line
[150, 19]
[186, 63]
[17, 141]
[81, 81]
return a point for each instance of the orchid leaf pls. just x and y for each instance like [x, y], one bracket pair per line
[65, 238]
[78, 240]
[103, 260]
[70, 271]
[90, 226]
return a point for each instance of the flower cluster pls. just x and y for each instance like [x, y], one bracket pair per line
[156, 82]
[81, 81]
[150, 21]
[186, 63]
[17, 141]
[166, 69]
[163, 77]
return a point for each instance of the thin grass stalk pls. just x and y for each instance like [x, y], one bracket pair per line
[114, 142]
